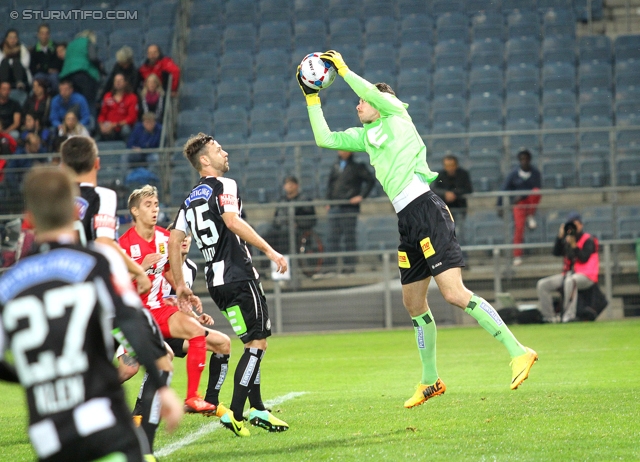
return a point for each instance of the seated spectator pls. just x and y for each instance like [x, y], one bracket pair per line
[44, 62]
[58, 62]
[32, 125]
[161, 66]
[525, 178]
[14, 62]
[71, 126]
[119, 111]
[305, 217]
[124, 65]
[39, 102]
[18, 167]
[152, 96]
[8, 146]
[452, 186]
[82, 67]
[68, 100]
[581, 265]
[10, 111]
[145, 135]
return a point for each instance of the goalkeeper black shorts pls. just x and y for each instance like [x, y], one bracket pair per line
[428, 244]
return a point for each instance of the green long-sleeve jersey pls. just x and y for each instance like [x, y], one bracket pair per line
[396, 150]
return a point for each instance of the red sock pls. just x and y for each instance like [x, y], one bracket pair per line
[196, 357]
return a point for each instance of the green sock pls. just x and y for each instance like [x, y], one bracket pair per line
[482, 311]
[425, 328]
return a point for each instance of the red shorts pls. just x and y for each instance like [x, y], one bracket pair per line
[162, 315]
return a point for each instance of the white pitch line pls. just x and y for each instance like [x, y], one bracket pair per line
[211, 427]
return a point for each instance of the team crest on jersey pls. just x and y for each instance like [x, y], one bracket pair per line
[81, 207]
[202, 191]
[135, 251]
[161, 248]
[427, 248]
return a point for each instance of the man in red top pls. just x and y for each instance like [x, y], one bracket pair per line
[119, 111]
[161, 66]
[147, 244]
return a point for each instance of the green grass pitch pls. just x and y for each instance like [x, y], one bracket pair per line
[581, 401]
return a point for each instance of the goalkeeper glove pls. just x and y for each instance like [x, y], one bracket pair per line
[310, 94]
[336, 60]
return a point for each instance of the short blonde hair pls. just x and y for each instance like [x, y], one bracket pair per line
[138, 194]
[124, 54]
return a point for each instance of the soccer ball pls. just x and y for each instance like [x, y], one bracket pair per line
[316, 73]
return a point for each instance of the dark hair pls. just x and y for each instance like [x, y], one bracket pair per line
[290, 178]
[193, 146]
[384, 88]
[79, 153]
[66, 82]
[7, 34]
[524, 152]
[44, 24]
[451, 157]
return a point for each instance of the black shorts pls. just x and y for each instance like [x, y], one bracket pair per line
[245, 307]
[428, 244]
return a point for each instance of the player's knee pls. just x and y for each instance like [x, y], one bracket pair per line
[220, 343]
[125, 371]
[455, 297]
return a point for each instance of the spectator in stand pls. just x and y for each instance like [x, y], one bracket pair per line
[44, 62]
[39, 102]
[10, 111]
[119, 111]
[8, 146]
[452, 185]
[61, 53]
[31, 125]
[145, 135]
[124, 65]
[352, 181]
[68, 100]
[14, 62]
[152, 96]
[161, 66]
[83, 68]
[525, 177]
[72, 127]
[18, 167]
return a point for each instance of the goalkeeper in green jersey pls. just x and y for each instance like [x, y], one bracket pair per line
[428, 245]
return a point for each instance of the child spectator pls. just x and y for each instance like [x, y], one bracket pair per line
[14, 62]
[68, 100]
[152, 96]
[119, 111]
[38, 103]
[161, 66]
[124, 65]
[72, 127]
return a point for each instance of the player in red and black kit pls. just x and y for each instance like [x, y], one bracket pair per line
[212, 214]
[147, 245]
[59, 307]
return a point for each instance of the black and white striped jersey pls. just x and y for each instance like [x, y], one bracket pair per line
[60, 309]
[96, 207]
[226, 255]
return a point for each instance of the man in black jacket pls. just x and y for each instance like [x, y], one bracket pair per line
[45, 63]
[352, 181]
[452, 185]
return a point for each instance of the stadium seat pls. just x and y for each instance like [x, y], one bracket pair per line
[414, 82]
[262, 185]
[381, 29]
[485, 228]
[451, 53]
[269, 90]
[298, 119]
[628, 170]
[595, 76]
[595, 48]
[559, 22]
[233, 92]
[240, 11]
[419, 111]
[558, 173]
[274, 10]
[523, 141]
[486, 146]
[593, 172]
[340, 116]
[199, 94]
[486, 177]
[379, 57]
[164, 14]
[380, 8]
[269, 64]
[345, 9]
[559, 105]
[522, 107]
[456, 145]
[508, 6]
[448, 109]
[236, 65]
[450, 81]
[582, 12]
[626, 77]
[475, 6]
[627, 48]
[310, 34]
[380, 233]
[193, 121]
[200, 65]
[628, 141]
[417, 28]
[522, 51]
[546, 5]
[259, 151]
[239, 37]
[441, 7]
[203, 10]
[276, 35]
[230, 119]
[119, 38]
[381, 75]
[559, 77]
[415, 55]
[487, 25]
[487, 79]
[345, 31]
[409, 7]
[523, 23]
[627, 110]
[485, 107]
[596, 115]
[267, 118]
[161, 36]
[452, 26]
[310, 9]
[559, 141]
[629, 227]
[487, 52]
[559, 50]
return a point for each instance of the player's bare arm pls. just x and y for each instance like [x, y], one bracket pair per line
[242, 229]
[142, 280]
[186, 299]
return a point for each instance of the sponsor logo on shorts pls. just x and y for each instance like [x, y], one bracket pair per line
[104, 221]
[161, 248]
[135, 251]
[420, 337]
[403, 260]
[228, 199]
[268, 324]
[436, 265]
[427, 248]
[491, 312]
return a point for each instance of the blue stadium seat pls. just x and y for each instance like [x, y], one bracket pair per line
[379, 57]
[345, 31]
[276, 35]
[452, 26]
[546, 5]
[627, 111]
[628, 170]
[419, 111]
[414, 82]
[486, 147]
[269, 90]
[264, 152]
[596, 96]
[239, 37]
[487, 25]
[593, 172]
[454, 144]
[409, 7]
[441, 7]
[119, 38]
[596, 115]
[485, 108]
[161, 36]
[509, 6]
[164, 14]
[310, 9]
[522, 79]
[233, 92]
[487, 52]
[485, 228]
[626, 77]
[231, 119]
[486, 177]
[523, 141]
[417, 28]
[269, 63]
[345, 9]
[236, 65]
[240, 11]
[298, 119]
[487, 79]
[595, 76]
[582, 12]
[267, 118]
[557, 106]
[380, 29]
[274, 10]
[629, 227]
[448, 109]
[352, 55]
[522, 50]
[559, 141]
[380, 8]
[381, 75]
[523, 23]
[199, 94]
[203, 10]
[415, 55]
[559, 22]
[380, 233]
[475, 6]
[193, 121]
[450, 81]
[451, 53]
[200, 65]
[595, 48]
[340, 116]
[523, 107]
[559, 77]
[628, 141]
[558, 173]
[560, 49]
[310, 34]
[627, 48]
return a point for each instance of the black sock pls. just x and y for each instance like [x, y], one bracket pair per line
[243, 379]
[150, 407]
[255, 397]
[218, 366]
